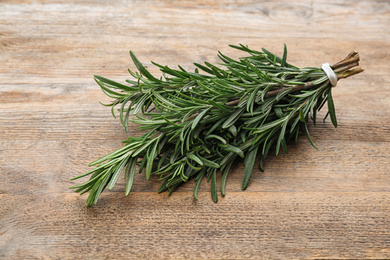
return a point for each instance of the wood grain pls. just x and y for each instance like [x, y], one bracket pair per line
[328, 203]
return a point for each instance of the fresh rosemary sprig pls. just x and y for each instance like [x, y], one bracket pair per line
[197, 124]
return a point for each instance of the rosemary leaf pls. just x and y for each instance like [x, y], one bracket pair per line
[195, 125]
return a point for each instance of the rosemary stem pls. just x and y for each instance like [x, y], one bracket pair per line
[212, 136]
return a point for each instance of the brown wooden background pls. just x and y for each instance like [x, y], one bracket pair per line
[328, 203]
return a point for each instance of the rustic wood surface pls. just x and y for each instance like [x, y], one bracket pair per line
[328, 203]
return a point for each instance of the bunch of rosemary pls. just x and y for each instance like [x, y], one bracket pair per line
[197, 124]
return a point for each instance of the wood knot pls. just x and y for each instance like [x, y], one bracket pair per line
[288, 12]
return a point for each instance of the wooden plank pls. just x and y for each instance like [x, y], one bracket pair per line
[360, 166]
[19, 61]
[72, 111]
[73, 47]
[259, 224]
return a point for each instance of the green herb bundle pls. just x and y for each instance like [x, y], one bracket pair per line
[196, 124]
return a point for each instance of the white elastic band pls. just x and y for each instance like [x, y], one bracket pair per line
[330, 73]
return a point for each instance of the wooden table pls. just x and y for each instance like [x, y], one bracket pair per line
[328, 203]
